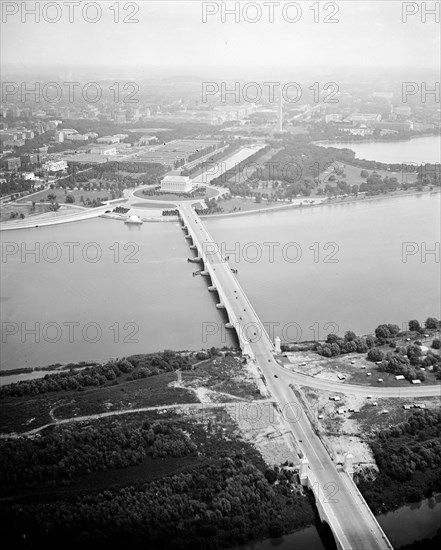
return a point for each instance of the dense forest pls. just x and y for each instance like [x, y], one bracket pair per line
[69, 451]
[425, 544]
[408, 456]
[227, 497]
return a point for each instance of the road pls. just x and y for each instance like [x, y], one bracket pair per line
[294, 377]
[45, 219]
[352, 522]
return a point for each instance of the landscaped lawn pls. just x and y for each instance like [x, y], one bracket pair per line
[209, 193]
[61, 195]
[5, 210]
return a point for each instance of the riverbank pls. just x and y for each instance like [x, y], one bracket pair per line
[326, 202]
[418, 150]
[329, 142]
[65, 408]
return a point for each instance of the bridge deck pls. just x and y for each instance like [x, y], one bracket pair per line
[353, 524]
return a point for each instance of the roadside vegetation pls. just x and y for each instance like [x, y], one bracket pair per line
[408, 456]
[111, 373]
[219, 492]
[397, 352]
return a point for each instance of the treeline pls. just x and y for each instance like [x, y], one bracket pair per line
[406, 361]
[135, 366]
[299, 159]
[429, 174]
[347, 155]
[15, 184]
[231, 148]
[222, 180]
[408, 456]
[69, 452]
[215, 506]
[351, 343]
[196, 192]
[386, 334]
[212, 207]
[425, 544]
[375, 184]
[120, 210]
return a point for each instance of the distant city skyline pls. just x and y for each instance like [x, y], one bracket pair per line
[171, 34]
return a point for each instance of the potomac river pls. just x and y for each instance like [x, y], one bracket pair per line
[98, 288]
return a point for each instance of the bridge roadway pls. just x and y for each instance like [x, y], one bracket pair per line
[339, 502]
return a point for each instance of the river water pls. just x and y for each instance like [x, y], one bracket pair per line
[333, 268]
[414, 151]
[349, 269]
[139, 299]
[421, 520]
[311, 270]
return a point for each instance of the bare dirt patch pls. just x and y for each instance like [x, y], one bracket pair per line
[348, 423]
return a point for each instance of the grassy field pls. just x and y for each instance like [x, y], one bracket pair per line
[223, 378]
[355, 366]
[353, 175]
[245, 204]
[61, 195]
[5, 210]
[22, 414]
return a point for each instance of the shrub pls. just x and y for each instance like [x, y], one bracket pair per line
[431, 322]
[375, 355]
[382, 332]
[436, 344]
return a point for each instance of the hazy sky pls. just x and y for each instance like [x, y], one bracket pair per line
[172, 34]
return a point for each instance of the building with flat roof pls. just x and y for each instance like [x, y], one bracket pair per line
[176, 184]
[403, 110]
[77, 137]
[11, 163]
[103, 150]
[364, 118]
[108, 139]
[55, 166]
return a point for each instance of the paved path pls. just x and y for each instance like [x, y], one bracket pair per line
[107, 414]
[294, 377]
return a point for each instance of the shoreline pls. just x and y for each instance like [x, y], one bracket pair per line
[339, 140]
[326, 202]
